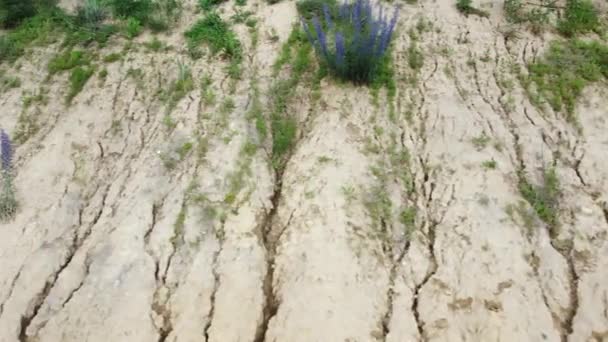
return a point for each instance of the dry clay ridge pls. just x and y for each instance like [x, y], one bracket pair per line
[383, 225]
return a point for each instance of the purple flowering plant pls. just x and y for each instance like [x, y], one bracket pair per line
[352, 39]
[8, 203]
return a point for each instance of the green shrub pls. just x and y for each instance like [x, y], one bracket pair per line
[213, 31]
[544, 197]
[537, 17]
[138, 9]
[164, 13]
[207, 5]
[415, 58]
[78, 79]
[67, 61]
[13, 12]
[179, 88]
[113, 57]
[309, 9]
[465, 7]
[91, 14]
[38, 29]
[580, 16]
[133, 27]
[564, 71]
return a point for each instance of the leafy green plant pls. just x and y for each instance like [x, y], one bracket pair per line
[415, 58]
[155, 45]
[113, 57]
[138, 9]
[216, 33]
[38, 29]
[91, 14]
[68, 60]
[13, 12]
[564, 71]
[207, 5]
[580, 16]
[133, 27]
[489, 164]
[164, 13]
[309, 9]
[408, 219]
[465, 7]
[537, 17]
[180, 87]
[78, 79]
[543, 198]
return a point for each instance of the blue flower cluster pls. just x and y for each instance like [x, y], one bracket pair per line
[8, 203]
[360, 35]
[7, 152]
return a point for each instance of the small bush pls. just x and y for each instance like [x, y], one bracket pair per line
[78, 78]
[133, 28]
[67, 61]
[537, 17]
[543, 198]
[564, 71]
[91, 14]
[217, 34]
[465, 7]
[361, 40]
[207, 5]
[8, 202]
[309, 9]
[38, 29]
[13, 12]
[138, 9]
[113, 57]
[580, 16]
[164, 13]
[179, 88]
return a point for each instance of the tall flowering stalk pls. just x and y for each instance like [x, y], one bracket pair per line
[360, 37]
[8, 203]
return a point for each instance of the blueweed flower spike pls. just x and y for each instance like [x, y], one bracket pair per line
[353, 38]
[7, 151]
[340, 52]
[327, 16]
[320, 35]
[8, 202]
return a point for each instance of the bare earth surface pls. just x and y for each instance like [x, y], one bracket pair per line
[110, 245]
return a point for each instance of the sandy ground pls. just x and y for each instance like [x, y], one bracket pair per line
[110, 245]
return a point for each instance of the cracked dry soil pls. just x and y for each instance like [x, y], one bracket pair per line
[110, 245]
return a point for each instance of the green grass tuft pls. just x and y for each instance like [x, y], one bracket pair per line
[78, 79]
[67, 61]
[465, 7]
[564, 71]
[580, 16]
[544, 197]
[215, 32]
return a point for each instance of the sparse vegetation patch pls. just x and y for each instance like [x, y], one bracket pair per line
[543, 197]
[564, 71]
[216, 33]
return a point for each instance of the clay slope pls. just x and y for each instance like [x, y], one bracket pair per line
[385, 223]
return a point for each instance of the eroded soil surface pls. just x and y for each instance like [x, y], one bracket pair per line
[386, 222]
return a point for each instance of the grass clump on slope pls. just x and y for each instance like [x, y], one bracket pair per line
[566, 68]
[216, 33]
